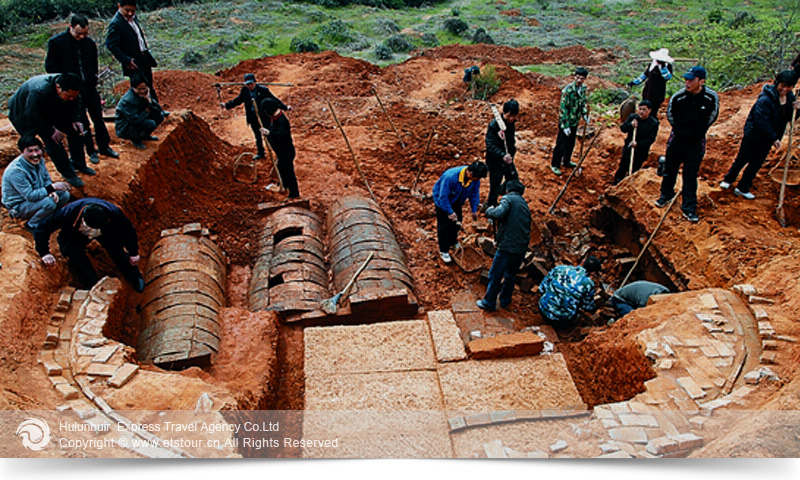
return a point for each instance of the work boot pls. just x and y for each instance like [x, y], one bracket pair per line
[108, 152]
[85, 170]
[74, 181]
[662, 202]
[692, 217]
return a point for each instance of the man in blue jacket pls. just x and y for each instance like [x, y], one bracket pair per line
[513, 217]
[453, 188]
[79, 223]
[763, 130]
[691, 112]
[251, 97]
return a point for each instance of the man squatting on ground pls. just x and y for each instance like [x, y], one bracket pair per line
[691, 112]
[646, 127]
[513, 217]
[81, 222]
[275, 125]
[655, 76]
[573, 106]
[450, 191]
[566, 291]
[763, 130]
[138, 114]
[251, 96]
[501, 147]
[48, 106]
[125, 40]
[75, 52]
[635, 295]
[28, 191]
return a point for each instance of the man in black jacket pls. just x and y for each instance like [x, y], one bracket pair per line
[47, 106]
[501, 146]
[279, 134]
[691, 112]
[655, 76]
[125, 40]
[138, 114]
[763, 130]
[251, 96]
[513, 235]
[646, 127]
[81, 222]
[75, 52]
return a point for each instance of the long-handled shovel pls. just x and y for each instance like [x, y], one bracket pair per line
[779, 210]
[577, 167]
[630, 159]
[331, 305]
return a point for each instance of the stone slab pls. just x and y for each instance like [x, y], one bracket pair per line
[101, 369]
[528, 383]
[380, 347]
[628, 434]
[691, 387]
[68, 391]
[414, 390]
[518, 344]
[446, 336]
[104, 353]
[122, 375]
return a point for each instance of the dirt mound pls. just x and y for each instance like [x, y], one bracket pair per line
[577, 55]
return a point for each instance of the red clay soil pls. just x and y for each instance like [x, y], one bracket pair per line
[187, 177]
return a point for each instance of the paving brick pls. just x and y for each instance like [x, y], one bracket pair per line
[104, 406]
[609, 447]
[714, 404]
[700, 377]
[66, 298]
[756, 299]
[518, 344]
[769, 344]
[104, 353]
[494, 449]
[602, 412]
[698, 422]
[68, 391]
[752, 377]
[446, 336]
[52, 368]
[688, 440]
[502, 416]
[708, 302]
[638, 420]
[52, 334]
[628, 434]
[690, 386]
[745, 289]
[121, 376]
[662, 445]
[665, 363]
[101, 369]
[609, 423]
[456, 423]
[619, 407]
[558, 446]
[58, 317]
[760, 314]
[478, 419]
[56, 380]
[767, 357]
[723, 362]
[94, 342]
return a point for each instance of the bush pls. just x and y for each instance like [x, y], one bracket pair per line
[383, 52]
[192, 57]
[386, 26]
[482, 37]
[430, 40]
[486, 84]
[303, 44]
[456, 26]
[335, 33]
[399, 43]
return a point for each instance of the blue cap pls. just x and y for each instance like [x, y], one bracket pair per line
[695, 72]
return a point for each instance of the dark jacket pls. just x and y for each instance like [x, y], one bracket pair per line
[691, 115]
[495, 147]
[646, 131]
[36, 109]
[123, 43]
[637, 293]
[767, 119]
[67, 55]
[280, 135]
[246, 98]
[655, 88]
[132, 112]
[67, 219]
[513, 223]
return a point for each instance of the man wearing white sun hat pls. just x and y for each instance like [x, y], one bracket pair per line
[655, 78]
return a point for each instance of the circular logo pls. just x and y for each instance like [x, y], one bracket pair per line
[35, 433]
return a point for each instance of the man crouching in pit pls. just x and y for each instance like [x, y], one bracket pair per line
[81, 222]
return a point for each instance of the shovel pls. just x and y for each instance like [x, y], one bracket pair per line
[330, 305]
[779, 210]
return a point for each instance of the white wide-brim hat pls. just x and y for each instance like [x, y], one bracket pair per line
[661, 55]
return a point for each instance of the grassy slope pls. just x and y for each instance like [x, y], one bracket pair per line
[211, 35]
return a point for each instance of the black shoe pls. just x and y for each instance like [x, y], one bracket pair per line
[662, 202]
[85, 170]
[151, 138]
[94, 158]
[139, 145]
[692, 217]
[166, 113]
[138, 285]
[108, 152]
[29, 227]
[74, 181]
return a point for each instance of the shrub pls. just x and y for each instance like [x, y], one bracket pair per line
[383, 52]
[335, 33]
[303, 44]
[456, 26]
[486, 84]
[192, 57]
[429, 40]
[386, 26]
[399, 43]
[482, 37]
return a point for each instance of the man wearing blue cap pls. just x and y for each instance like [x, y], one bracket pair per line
[691, 112]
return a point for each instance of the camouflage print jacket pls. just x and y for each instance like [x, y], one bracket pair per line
[573, 106]
[565, 291]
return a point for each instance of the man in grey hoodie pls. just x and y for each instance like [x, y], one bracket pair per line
[28, 191]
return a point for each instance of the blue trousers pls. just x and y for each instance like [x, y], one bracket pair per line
[502, 276]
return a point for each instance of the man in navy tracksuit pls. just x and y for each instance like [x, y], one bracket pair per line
[453, 188]
[81, 222]
[763, 130]
[691, 112]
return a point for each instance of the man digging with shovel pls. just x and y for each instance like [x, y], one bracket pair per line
[501, 146]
